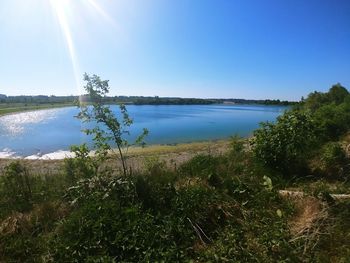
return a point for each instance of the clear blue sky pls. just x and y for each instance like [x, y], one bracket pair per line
[188, 48]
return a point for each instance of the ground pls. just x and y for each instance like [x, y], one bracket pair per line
[172, 155]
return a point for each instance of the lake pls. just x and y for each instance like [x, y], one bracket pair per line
[47, 131]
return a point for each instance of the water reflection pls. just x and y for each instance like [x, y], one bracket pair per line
[15, 124]
[38, 134]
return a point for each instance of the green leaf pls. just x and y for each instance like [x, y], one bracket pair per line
[279, 212]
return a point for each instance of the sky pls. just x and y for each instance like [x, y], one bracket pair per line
[248, 49]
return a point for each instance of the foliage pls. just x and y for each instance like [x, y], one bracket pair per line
[333, 161]
[332, 120]
[284, 145]
[82, 165]
[212, 208]
[331, 112]
[336, 94]
[17, 187]
[23, 235]
[154, 166]
[335, 246]
[109, 127]
[157, 218]
[29, 207]
[205, 167]
[299, 135]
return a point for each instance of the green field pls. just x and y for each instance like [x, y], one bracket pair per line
[7, 108]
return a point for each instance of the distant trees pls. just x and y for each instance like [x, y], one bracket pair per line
[336, 95]
[172, 101]
[40, 99]
[138, 100]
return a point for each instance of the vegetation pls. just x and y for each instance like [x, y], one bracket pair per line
[212, 208]
[285, 145]
[7, 108]
[109, 127]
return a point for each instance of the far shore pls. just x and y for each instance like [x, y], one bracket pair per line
[22, 108]
[8, 108]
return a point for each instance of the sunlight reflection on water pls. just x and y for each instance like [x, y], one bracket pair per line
[15, 124]
[50, 133]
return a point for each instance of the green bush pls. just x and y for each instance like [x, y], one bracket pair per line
[130, 231]
[16, 188]
[210, 169]
[333, 161]
[201, 165]
[285, 145]
[153, 217]
[82, 165]
[238, 155]
[332, 121]
[23, 236]
[331, 112]
[155, 191]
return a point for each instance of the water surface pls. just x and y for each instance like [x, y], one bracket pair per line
[47, 131]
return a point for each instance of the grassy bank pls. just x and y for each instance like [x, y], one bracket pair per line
[215, 206]
[8, 108]
[174, 154]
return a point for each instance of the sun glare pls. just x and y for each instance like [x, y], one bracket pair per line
[61, 9]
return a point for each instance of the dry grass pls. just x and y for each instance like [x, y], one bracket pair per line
[309, 221]
[25, 222]
[307, 212]
[172, 155]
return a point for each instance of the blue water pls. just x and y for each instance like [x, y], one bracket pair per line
[48, 131]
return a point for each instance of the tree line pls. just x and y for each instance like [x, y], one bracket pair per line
[137, 100]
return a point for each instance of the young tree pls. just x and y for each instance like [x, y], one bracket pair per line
[109, 127]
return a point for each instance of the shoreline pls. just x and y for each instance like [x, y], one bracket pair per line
[132, 151]
[137, 157]
[14, 110]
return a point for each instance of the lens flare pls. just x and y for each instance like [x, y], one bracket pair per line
[59, 7]
[97, 8]
[101, 12]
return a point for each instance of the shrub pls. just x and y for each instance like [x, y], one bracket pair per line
[284, 145]
[155, 166]
[332, 121]
[22, 235]
[334, 163]
[334, 243]
[130, 231]
[238, 155]
[81, 166]
[205, 167]
[17, 187]
[155, 191]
